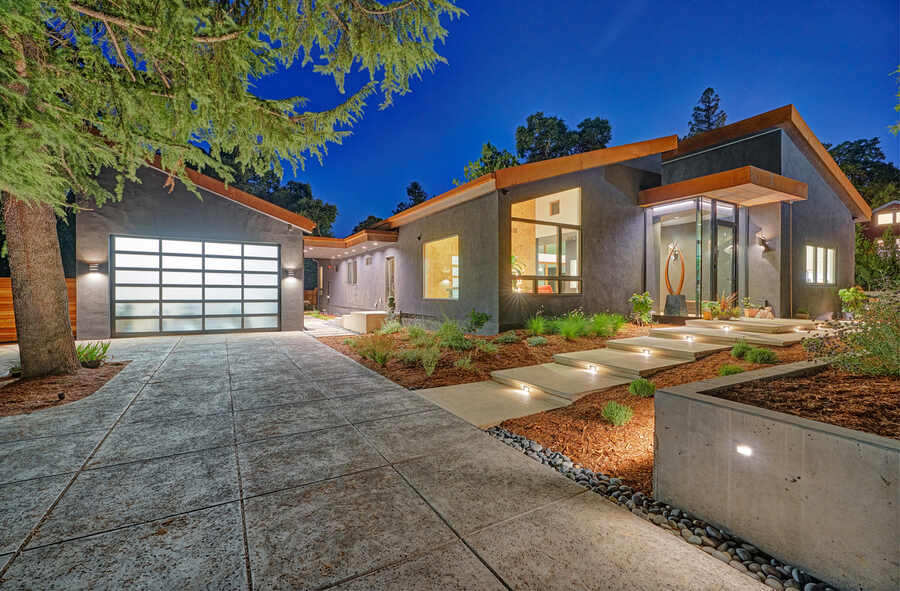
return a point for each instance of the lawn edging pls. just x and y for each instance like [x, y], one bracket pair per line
[818, 495]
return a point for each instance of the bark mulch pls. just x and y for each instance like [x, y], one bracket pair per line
[626, 452]
[510, 355]
[870, 404]
[20, 396]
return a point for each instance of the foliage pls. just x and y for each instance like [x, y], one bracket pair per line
[507, 338]
[537, 341]
[740, 348]
[450, 335]
[93, 352]
[606, 324]
[491, 159]
[543, 137]
[477, 320]
[415, 195]
[870, 346]
[852, 298]
[465, 363]
[429, 357]
[572, 325]
[487, 347]
[707, 115]
[641, 308]
[419, 336]
[410, 356]
[642, 387]
[760, 355]
[375, 347]
[876, 265]
[390, 326]
[365, 224]
[730, 369]
[536, 324]
[617, 414]
[747, 303]
[864, 163]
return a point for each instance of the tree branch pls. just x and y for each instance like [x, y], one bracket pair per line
[393, 9]
[108, 18]
[115, 42]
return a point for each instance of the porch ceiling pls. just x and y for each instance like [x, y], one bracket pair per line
[326, 247]
[746, 186]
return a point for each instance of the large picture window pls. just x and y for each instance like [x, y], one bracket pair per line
[820, 265]
[441, 269]
[545, 241]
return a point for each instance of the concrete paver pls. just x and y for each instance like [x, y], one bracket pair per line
[489, 403]
[567, 382]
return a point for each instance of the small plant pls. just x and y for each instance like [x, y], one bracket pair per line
[641, 307]
[746, 303]
[606, 324]
[92, 354]
[726, 305]
[642, 387]
[450, 335]
[429, 358]
[740, 349]
[573, 325]
[376, 347]
[465, 363]
[761, 355]
[507, 338]
[392, 304]
[729, 369]
[852, 299]
[477, 320]
[15, 371]
[487, 347]
[390, 327]
[418, 336]
[350, 342]
[617, 414]
[537, 341]
[410, 356]
[536, 324]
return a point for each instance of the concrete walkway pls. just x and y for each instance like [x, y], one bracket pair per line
[269, 461]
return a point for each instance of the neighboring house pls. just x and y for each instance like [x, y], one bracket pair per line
[884, 218]
[160, 262]
[758, 208]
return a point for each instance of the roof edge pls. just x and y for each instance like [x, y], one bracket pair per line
[365, 235]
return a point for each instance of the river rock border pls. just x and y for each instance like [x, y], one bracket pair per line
[719, 544]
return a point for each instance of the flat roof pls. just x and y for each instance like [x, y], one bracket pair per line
[747, 186]
[357, 243]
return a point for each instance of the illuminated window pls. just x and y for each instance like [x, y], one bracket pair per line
[441, 269]
[820, 265]
[545, 240]
[885, 219]
[351, 272]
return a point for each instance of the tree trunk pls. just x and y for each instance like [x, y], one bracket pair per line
[40, 295]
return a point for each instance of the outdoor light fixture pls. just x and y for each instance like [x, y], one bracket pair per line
[689, 338]
[592, 368]
[289, 273]
[745, 450]
[726, 328]
[645, 352]
[526, 389]
[763, 241]
[94, 267]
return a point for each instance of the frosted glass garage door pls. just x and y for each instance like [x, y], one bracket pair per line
[162, 285]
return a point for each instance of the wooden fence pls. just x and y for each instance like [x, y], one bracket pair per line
[311, 298]
[8, 319]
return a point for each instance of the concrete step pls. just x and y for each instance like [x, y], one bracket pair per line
[728, 337]
[766, 326]
[677, 349]
[485, 404]
[616, 362]
[562, 381]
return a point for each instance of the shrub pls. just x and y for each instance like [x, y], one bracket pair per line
[642, 387]
[641, 307]
[418, 336]
[740, 349]
[92, 354]
[536, 341]
[729, 369]
[487, 347]
[410, 356]
[390, 326]
[852, 299]
[536, 324]
[617, 414]
[376, 347]
[477, 320]
[429, 358]
[507, 338]
[465, 363]
[606, 325]
[450, 335]
[572, 325]
[761, 355]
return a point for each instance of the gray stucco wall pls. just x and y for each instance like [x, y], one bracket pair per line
[612, 250]
[761, 150]
[147, 209]
[341, 297]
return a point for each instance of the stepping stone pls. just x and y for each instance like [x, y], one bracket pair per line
[766, 326]
[485, 404]
[617, 363]
[679, 349]
[565, 381]
[717, 335]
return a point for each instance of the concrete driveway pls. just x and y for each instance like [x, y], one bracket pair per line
[269, 461]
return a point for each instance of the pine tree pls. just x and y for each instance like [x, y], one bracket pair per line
[707, 114]
[415, 195]
[96, 84]
[492, 158]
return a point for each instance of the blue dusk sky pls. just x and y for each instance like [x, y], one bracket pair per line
[640, 64]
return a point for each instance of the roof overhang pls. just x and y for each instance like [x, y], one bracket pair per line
[465, 192]
[325, 247]
[788, 119]
[746, 186]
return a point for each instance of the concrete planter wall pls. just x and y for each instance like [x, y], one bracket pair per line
[821, 497]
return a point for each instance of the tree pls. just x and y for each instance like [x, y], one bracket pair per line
[544, 137]
[491, 159]
[366, 223]
[92, 85]
[864, 163]
[416, 195]
[707, 114]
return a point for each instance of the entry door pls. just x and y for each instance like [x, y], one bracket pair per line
[164, 285]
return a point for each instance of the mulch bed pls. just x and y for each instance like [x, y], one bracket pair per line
[510, 355]
[869, 404]
[580, 431]
[20, 396]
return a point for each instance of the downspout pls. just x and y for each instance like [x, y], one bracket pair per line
[791, 259]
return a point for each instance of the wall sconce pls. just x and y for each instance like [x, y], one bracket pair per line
[290, 273]
[94, 268]
[763, 241]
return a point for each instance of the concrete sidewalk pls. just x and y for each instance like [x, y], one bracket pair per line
[270, 461]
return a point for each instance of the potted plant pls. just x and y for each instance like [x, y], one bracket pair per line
[749, 309]
[802, 314]
[852, 300]
[710, 309]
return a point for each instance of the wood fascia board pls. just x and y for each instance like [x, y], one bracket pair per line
[737, 177]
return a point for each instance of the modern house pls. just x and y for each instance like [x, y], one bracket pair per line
[884, 218]
[756, 208]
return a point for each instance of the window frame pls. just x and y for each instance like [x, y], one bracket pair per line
[558, 278]
[893, 218]
[458, 265]
[825, 251]
[352, 271]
